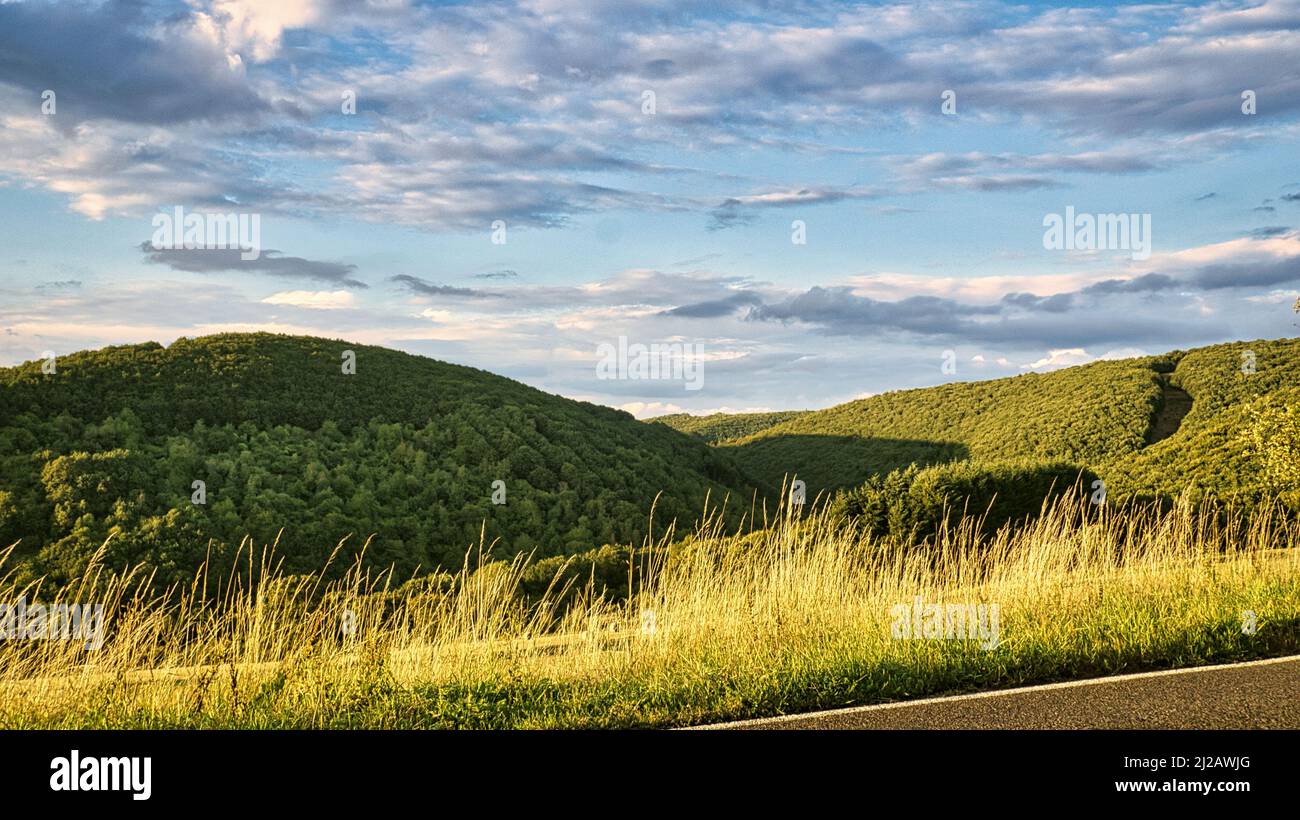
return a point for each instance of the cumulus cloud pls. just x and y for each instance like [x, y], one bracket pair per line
[763, 345]
[116, 61]
[1084, 314]
[252, 28]
[1059, 358]
[270, 262]
[532, 112]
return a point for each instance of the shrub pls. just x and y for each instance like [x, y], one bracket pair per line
[1275, 440]
[605, 570]
[912, 504]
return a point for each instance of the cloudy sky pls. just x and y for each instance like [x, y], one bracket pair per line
[652, 164]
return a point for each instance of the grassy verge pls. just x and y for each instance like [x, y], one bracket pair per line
[800, 615]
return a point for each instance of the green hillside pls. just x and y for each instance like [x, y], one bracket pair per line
[406, 448]
[1101, 416]
[1211, 450]
[718, 427]
[1083, 414]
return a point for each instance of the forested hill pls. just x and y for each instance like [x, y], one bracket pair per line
[405, 447]
[1108, 416]
[718, 427]
[1080, 414]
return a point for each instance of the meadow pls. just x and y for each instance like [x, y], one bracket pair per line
[794, 610]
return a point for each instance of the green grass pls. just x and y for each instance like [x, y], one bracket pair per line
[791, 617]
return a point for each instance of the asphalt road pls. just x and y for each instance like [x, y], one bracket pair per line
[1255, 695]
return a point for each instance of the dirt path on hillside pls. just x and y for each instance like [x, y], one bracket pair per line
[1174, 406]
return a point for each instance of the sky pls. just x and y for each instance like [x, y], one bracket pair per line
[813, 201]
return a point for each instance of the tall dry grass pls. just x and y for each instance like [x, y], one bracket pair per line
[795, 614]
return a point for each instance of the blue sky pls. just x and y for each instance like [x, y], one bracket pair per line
[924, 228]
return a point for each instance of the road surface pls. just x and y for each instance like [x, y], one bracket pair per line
[1255, 695]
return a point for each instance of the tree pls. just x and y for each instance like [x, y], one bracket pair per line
[1275, 438]
[8, 516]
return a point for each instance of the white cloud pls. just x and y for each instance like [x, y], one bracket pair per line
[650, 409]
[978, 289]
[254, 27]
[1275, 297]
[537, 117]
[1060, 358]
[1231, 251]
[313, 299]
[1123, 353]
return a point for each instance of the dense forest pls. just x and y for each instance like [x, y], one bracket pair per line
[1080, 414]
[913, 504]
[718, 427]
[1239, 439]
[404, 448]
[174, 455]
[1100, 416]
